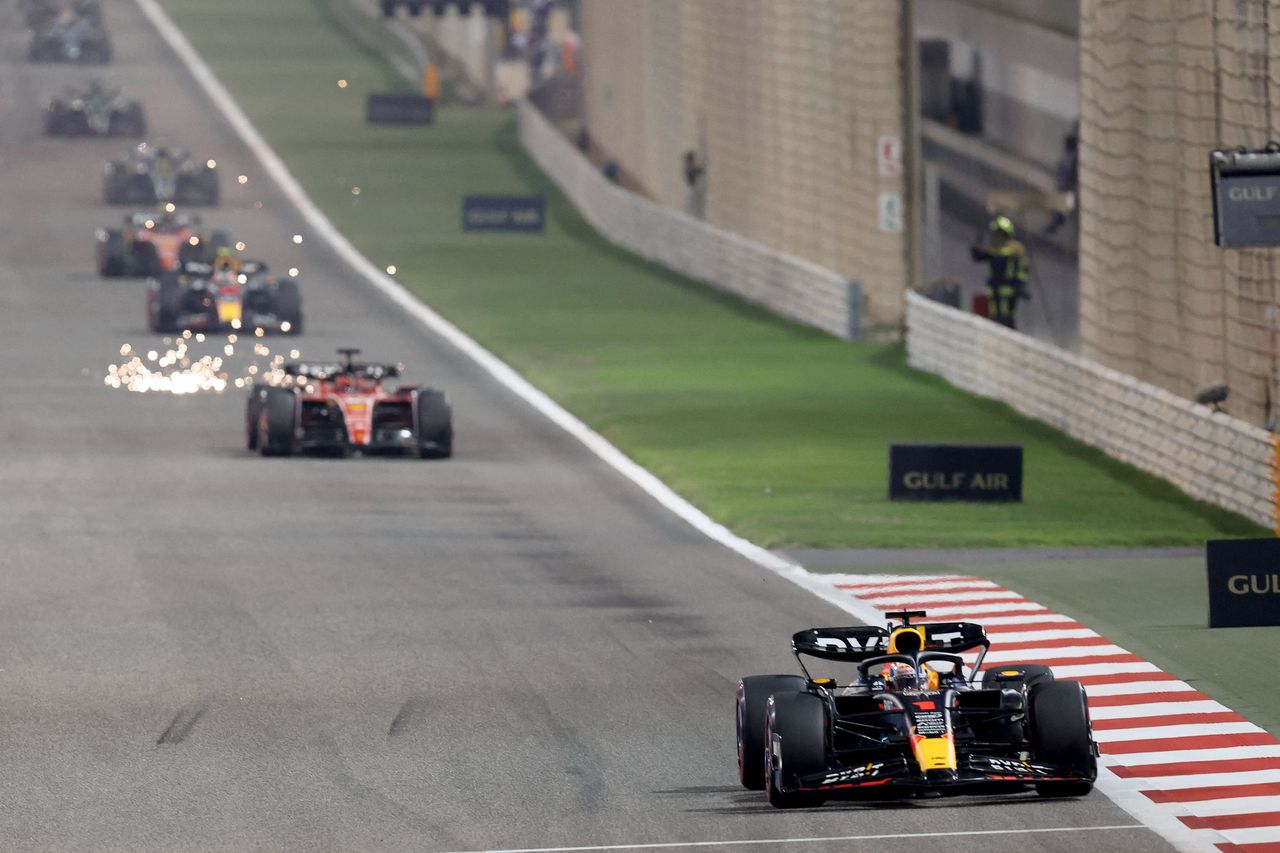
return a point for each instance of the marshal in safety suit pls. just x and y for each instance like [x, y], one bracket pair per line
[1010, 269]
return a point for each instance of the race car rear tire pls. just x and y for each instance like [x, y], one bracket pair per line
[1017, 674]
[795, 731]
[55, 120]
[165, 304]
[435, 425]
[128, 122]
[145, 260]
[750, 711]
[111, 260]
[276, 422]
[1061, 736]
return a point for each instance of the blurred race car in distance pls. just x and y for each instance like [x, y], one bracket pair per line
[74, 39]
[159, 173]
[227, 294]
[41, 13]
[910, 723]
[341, 407]
[154, 243]
[94, 111]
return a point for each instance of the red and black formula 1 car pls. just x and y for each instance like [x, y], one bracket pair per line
[154, 243]
[910, 722]
[343, 407]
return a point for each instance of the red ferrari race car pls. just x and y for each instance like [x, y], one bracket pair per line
[153, 243]
[342, 407]
[910, 722]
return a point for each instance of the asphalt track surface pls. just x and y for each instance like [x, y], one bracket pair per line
[202, 649]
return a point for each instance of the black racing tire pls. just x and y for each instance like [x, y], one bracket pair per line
[115, 185]
[209, 190]
[165, 304]
[252, 412]
[435, 425]
[111, 254]
[796, 738]
[289, 305]
[750, 710]
[1030, 675]
[388, 8]
[276, 421]
[55, 120]
[144, 259]
[1061, 736]
[128, 122]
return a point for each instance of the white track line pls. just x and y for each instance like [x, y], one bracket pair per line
[1256, 835]
[1210, 780]
[505, 375]
[1231, 806]
[1083, 670]
[1137, 688]
[1157, 709]
[1177, 730]
[1180, 756]
[833, 839]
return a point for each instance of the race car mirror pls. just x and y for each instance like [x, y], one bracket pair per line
[1244, 582]
[1246, 196]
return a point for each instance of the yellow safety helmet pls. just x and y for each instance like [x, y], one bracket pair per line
[1002, 225]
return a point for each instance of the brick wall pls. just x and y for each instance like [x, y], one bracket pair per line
[1211, 456]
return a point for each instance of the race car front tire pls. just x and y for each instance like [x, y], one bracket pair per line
[252, 413]
[435, 425]
[276, 422]
[750, 711]
[1061, 736]
[795, 733]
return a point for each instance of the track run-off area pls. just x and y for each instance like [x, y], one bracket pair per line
[517, 649]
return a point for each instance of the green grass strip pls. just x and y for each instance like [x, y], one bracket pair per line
[778, 431]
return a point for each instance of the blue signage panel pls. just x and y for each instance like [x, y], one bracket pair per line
[398, 109]
[1244, 582]
[955, 472]
[504, 213]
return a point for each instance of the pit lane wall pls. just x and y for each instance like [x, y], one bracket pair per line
[784, 284]
[1209, 455]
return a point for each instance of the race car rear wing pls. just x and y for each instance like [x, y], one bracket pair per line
[862, 642]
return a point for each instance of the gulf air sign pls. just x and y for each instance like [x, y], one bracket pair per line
[955, 472]
[1244, 582]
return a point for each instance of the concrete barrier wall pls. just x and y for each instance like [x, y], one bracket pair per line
[785, 284]
[1209, 455]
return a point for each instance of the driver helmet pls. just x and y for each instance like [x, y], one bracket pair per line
[225, 260]
[1002, 225]
[901, 676]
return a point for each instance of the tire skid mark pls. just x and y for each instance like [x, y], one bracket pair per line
[182, 724]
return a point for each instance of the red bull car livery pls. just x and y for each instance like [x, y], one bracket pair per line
[909, 721]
